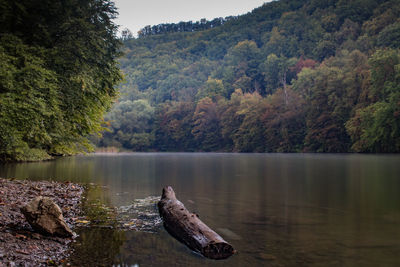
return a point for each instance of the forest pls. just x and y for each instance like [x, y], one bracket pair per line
[290, 76]
[58, 72]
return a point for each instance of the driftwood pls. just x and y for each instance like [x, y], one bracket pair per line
[189, 229]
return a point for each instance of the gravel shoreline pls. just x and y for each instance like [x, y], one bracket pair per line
[19, 244]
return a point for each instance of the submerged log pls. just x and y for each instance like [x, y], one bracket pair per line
[189, 229]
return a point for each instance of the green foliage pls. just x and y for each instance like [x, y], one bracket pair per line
[376, 127]
[132, 123]
[57, 75]
[230, 118]
[304, 75]
[331, 91]
[213, 88]
[276, 71]
[390, 36]
[249, 136]
[284, 124]
[384, 73]
[206, 129]
[241, 67]
[29, 104]
[173, 127]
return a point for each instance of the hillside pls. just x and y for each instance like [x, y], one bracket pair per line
[291, 76]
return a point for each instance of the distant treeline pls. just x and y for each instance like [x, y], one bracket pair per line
[291, 76]
[182, 26]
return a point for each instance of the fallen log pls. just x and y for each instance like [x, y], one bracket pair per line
[189, 229]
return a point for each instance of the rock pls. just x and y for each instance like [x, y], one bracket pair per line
[46, 217]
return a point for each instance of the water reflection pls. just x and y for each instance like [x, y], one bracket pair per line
[275, 209]
[97, 247]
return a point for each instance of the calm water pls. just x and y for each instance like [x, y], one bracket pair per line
[275, 209]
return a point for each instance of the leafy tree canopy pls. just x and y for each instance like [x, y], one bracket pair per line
[57, 76]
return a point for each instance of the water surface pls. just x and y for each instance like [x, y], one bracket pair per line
[275, 209]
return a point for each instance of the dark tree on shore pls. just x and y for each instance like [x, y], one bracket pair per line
[57, 75]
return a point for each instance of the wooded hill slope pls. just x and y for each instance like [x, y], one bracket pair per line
[291, 76]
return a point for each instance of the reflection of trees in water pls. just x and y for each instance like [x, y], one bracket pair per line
[158, 249]
[97, 206]
[97, 246]
[289, 209]
[75, 169]
[100, 243]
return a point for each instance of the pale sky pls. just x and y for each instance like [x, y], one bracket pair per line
[135, 14]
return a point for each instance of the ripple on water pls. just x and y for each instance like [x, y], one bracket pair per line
[142, 215]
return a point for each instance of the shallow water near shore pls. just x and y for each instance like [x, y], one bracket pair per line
[275, 209]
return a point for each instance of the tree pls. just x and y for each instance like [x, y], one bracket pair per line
[61, 72]
[240, 70]
[390, 36]
[131, 124]
[331, 91]
[250, 135]
[173, 127]
[213, 89]
[376, 127]
[126, 34]
[230, 119]
[276, 73]
[285, 125]
[30, 116]
[206, 128]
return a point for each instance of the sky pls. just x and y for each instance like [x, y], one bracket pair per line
[135, 14]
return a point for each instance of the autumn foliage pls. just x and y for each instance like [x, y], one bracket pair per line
[291, 76]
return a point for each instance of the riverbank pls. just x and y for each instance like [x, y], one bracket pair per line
[19, 244]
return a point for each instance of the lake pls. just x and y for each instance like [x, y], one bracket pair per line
[275, 209]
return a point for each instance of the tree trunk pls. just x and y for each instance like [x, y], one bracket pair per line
[189, 229]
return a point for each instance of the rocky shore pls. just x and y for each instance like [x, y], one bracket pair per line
[20, 245]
